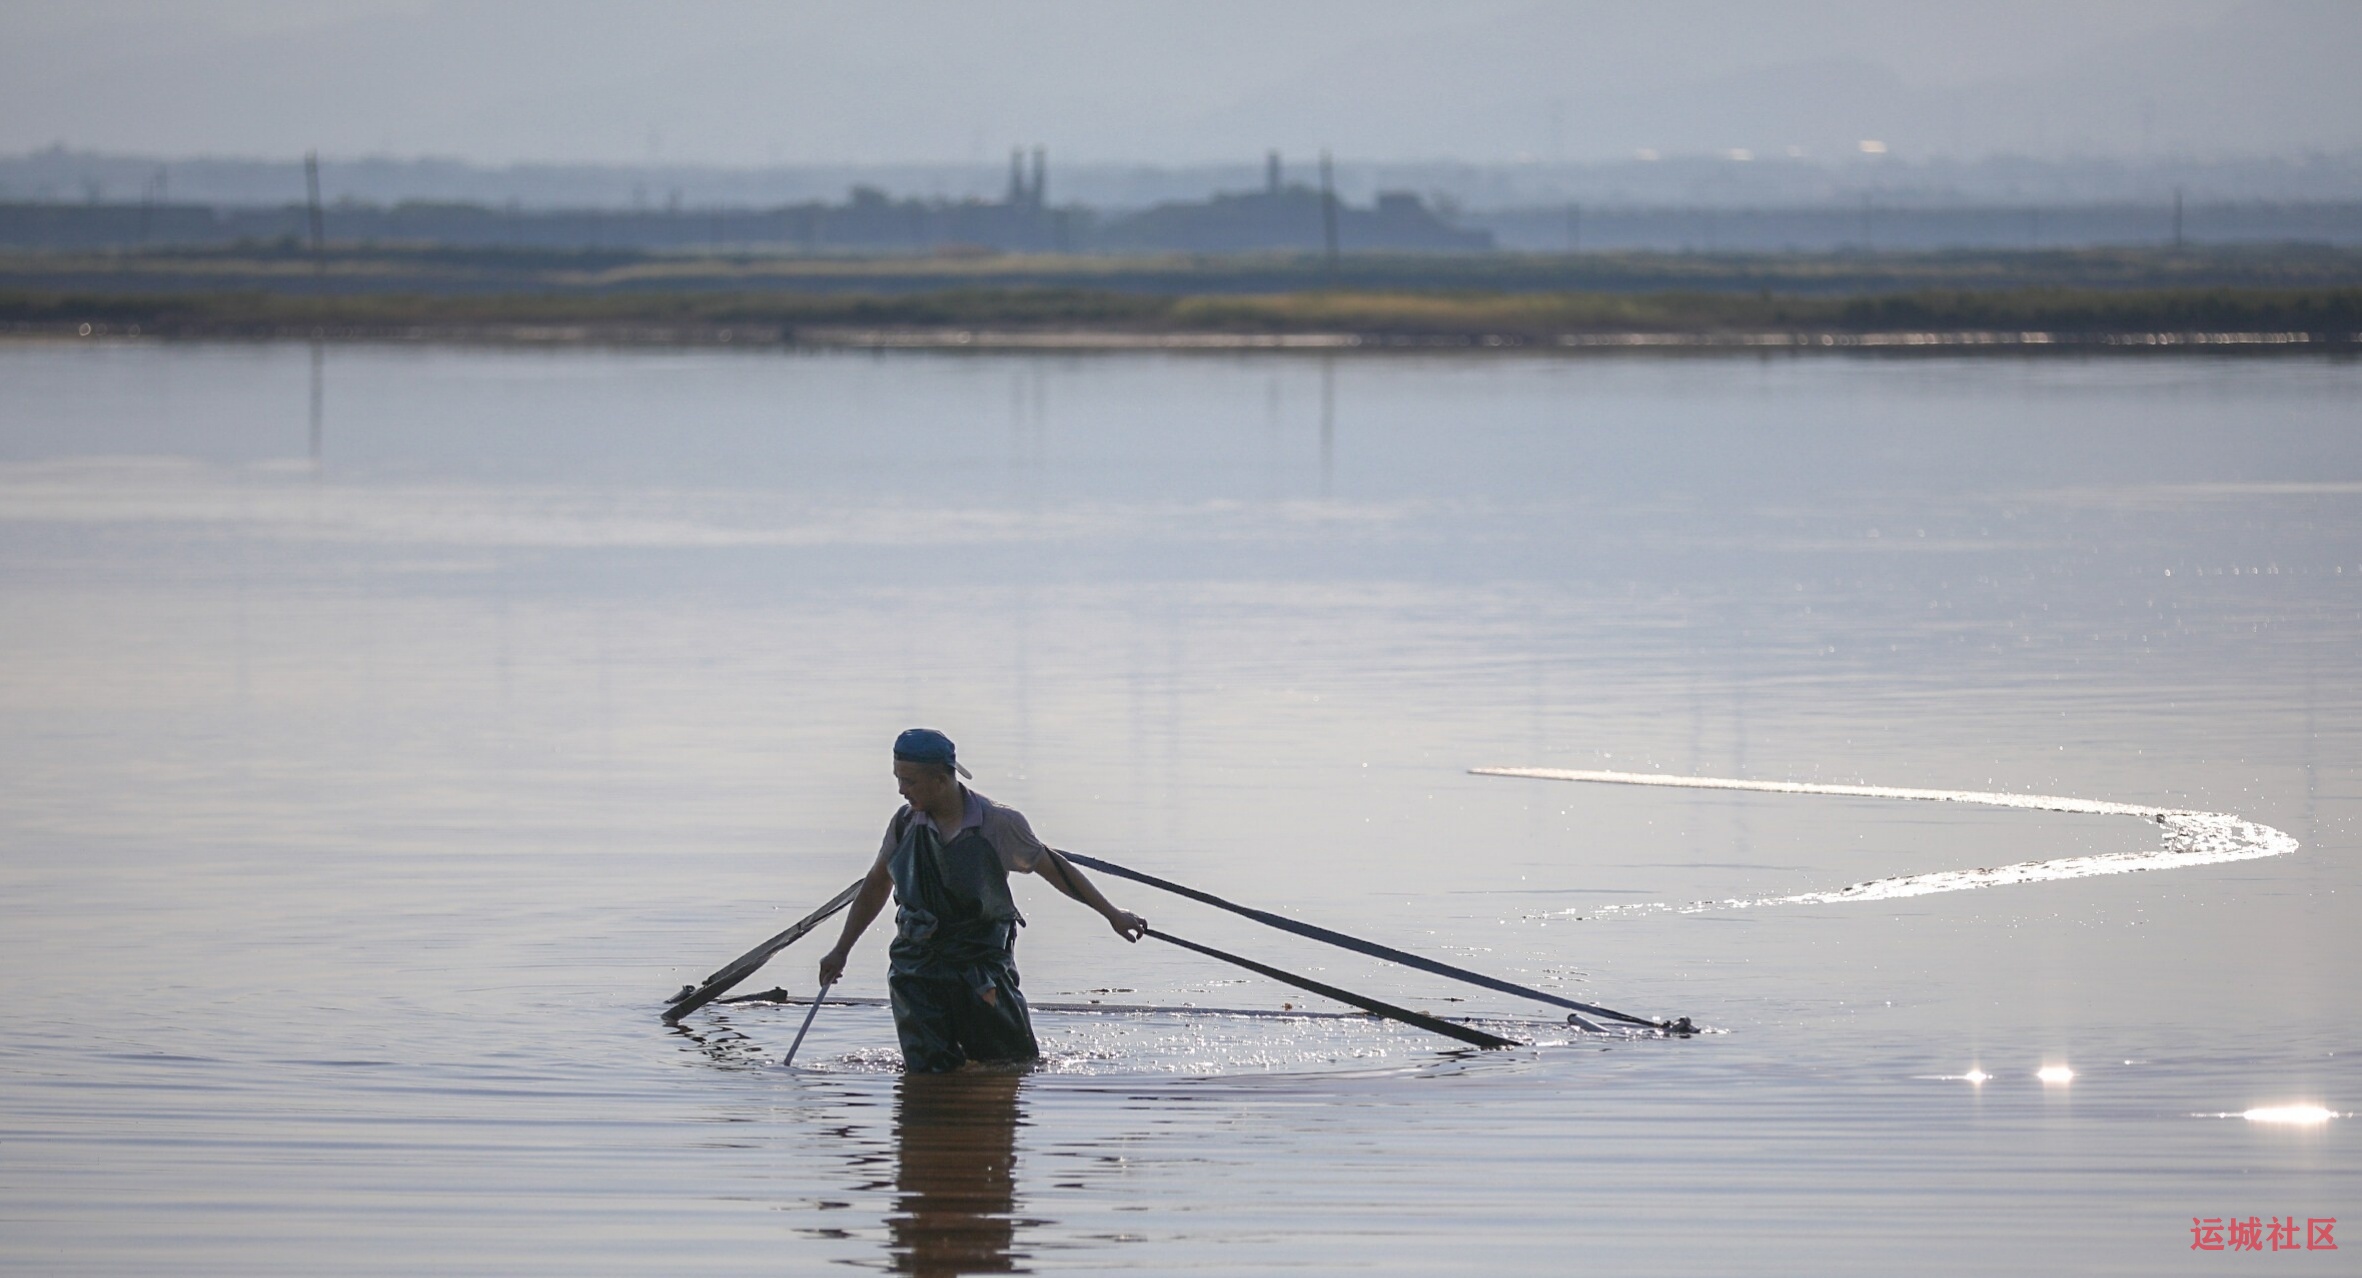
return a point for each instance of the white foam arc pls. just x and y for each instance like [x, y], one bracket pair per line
[2191, 837]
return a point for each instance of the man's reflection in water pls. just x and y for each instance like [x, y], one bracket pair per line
[956, 1135]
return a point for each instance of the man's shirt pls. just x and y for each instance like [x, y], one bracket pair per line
[1004, 828]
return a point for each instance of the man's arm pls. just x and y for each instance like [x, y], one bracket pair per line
[1063, 876]
[858, 916]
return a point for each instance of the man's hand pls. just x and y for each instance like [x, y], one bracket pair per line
[832, 966]
[1127, 925]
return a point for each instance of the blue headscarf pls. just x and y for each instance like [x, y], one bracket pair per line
[926, 745]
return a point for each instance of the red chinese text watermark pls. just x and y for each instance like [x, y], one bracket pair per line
[2263, 1233]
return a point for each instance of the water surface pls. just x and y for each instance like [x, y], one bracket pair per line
[385, 731]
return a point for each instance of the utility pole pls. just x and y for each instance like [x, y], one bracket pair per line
[311, 183]
[151, 194]
[1328, 216]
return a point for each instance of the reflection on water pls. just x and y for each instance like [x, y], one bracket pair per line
[319, 402]
[1328, 426]
[2294, 1115]
[721, 1043]
[955, 1175]
[2191, 839]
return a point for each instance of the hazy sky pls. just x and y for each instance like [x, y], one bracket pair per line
[919, 80]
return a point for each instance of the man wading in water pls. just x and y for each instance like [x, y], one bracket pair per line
[947, 858]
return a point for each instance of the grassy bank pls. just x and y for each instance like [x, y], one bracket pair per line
[1544, 315]
[430, 270]
[2326, 314]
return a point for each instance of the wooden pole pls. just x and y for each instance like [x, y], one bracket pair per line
[1421, 1020]
[1330, 936]
[790, 1058]
[745, 965]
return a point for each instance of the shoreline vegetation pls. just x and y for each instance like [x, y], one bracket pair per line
[2281, 299]
[2246, 319]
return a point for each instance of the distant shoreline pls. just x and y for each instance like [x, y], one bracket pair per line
[1799, 341]
[1072, 340]
[2285, 300]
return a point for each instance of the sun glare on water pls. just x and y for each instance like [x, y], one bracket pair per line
[2281, 1115]
[2300, 1115]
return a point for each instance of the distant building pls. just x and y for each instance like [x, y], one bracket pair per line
[1277, 218]
[1280, 217]
[1284, 217]
[869, 221]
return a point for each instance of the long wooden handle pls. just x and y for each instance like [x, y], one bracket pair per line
[1361, 946]
[1432, 1024]
[745, 965]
